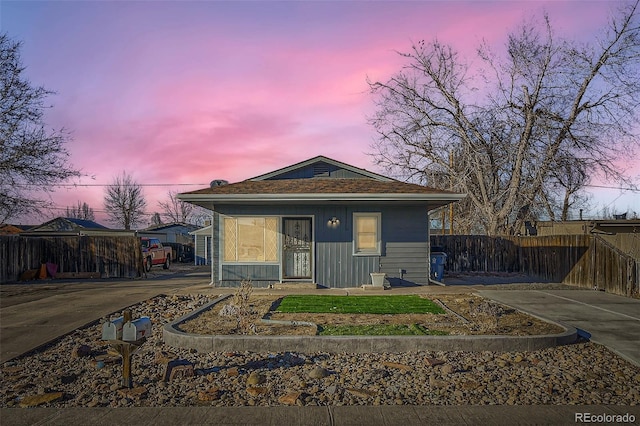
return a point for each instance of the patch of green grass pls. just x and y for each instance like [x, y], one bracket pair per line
[378, 330]
[400, 304]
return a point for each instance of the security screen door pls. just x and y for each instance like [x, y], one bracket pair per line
[297, 248]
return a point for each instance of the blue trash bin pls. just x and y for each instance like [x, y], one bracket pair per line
[438, 260]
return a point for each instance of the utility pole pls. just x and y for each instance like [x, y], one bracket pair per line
[451, 188]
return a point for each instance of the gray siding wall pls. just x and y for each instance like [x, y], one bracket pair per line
[202, 256]
[404, 246]
[406, 249]
[260, 275]
[406, 263]
[338, 268]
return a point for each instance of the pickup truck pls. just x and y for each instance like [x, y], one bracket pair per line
[153, 253]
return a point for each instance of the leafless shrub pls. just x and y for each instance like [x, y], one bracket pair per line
[241, 309]
[487, 313]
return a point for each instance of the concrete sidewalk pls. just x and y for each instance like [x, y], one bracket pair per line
[338, 416]
[613, 321]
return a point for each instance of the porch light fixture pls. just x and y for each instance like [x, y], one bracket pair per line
[334, 222]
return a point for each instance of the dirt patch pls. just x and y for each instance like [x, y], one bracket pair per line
[466, 314]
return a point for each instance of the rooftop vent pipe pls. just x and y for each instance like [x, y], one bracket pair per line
[218, 182]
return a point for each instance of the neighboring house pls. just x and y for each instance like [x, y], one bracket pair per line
[543, 227]
[176, 232]
[623, 234]
[202, 249]
[67, 226]
[616, 226]
[319, 221]
[6, 229]
[582, 227]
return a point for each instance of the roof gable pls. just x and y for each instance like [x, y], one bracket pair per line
[68, 224]
[321, 167]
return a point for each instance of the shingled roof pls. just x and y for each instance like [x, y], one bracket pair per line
[320, 191]
[320, 180]
[319, 186]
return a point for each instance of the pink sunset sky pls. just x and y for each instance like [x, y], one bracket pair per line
[177, 92]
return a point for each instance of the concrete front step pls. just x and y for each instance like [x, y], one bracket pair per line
[293, 285]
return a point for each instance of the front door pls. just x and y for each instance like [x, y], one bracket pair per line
[297, 248]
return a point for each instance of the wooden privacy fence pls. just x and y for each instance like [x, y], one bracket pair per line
[108, 257]
[613, 270]
[582, 260]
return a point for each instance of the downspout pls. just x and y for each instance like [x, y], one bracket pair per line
[428, 247]
[429, 280]
[195, 250]
[211, 244]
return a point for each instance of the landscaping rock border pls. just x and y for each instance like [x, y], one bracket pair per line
[173, 336]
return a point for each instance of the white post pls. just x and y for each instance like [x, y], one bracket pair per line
[211, 244]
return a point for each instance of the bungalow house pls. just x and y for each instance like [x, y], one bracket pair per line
[68, 226]
[176, 232]
[319, 221]
[6, 229]
[202, 253]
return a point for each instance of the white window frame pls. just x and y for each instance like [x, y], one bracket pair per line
[251, 262]
[378, 250]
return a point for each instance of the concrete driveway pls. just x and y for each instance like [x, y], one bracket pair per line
[32, 315]
[613, 321]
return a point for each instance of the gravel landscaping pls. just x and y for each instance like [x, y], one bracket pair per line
[80, 370]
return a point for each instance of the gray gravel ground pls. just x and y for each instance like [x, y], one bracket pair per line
[79, 371]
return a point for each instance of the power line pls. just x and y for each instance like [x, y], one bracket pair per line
[75, 185]
[88, 185]
[614, 187]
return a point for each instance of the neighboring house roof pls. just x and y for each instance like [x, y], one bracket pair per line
[67, 224]
[281, 187]
[64, 226]
[6, 229]
[202, 231]
[629, 226]
[163, 226]
[579, 227]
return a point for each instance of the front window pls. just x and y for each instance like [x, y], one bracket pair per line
[366, 233]
[250, 239]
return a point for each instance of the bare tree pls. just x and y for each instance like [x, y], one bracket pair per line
[32, 157]
[81, 211]
[176, 210]
[156, 219]
[545, 115]
[565, 188]
[200, 216]
[124, 201]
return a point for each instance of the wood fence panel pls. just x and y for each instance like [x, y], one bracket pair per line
[583, 260]
[615, 271]
[110, 257]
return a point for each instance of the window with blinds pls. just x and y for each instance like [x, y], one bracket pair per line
[367, 233]
[250, 239]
